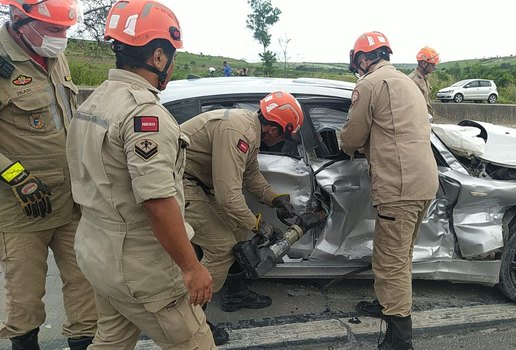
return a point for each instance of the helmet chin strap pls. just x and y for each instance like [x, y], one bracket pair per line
[162, 75]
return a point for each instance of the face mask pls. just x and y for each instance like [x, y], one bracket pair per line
[50, 47]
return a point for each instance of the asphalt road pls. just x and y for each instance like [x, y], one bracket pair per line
[304, 316]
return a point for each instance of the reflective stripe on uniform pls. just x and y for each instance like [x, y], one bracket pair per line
[93, 119]
[226, 114]
[66, 102]
[53, 110]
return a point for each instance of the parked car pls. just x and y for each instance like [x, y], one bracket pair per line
[468, 234]
[476, 90]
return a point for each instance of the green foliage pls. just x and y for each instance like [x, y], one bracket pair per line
[259, 21]
[503, 72]
[90, 63]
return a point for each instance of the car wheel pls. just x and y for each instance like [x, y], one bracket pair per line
[508, 266]
[444, 101]
[491, 99]
[458, 98]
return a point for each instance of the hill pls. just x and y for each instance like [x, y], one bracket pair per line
[90, 63]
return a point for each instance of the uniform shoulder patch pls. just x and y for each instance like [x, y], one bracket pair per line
[146, 149]
[243, 146]
[146, 124]
[355, 96]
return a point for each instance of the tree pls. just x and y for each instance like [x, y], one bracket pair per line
[259, 21]
[94, 21]
[283, 42]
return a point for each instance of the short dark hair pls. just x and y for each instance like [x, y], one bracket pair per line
[265, 121]
[134, 56]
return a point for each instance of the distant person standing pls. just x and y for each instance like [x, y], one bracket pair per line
[227, 69]
[427, 59]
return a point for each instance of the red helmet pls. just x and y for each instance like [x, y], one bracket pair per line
[282, 108]
[428, 54]
[368, 42]
[138, 22]
[57, 12]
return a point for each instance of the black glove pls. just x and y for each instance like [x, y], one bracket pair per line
[262, 228]
[286, 209]
[31, 192]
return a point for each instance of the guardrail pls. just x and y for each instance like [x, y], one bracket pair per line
[455, 112]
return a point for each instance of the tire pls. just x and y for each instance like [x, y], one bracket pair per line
[508, 266]
[458, 98]
[444, 101]
[492, 99]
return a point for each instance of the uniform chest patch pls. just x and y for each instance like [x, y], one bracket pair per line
[36, 121]
[146, 149]
[243, 146]
[146, 124]
[22, 80]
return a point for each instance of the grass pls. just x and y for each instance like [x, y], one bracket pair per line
[90, 63]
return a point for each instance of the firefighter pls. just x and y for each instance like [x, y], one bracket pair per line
[388, 119]
[127, 156]
[37, 212]
[221, 162]
[427, 58]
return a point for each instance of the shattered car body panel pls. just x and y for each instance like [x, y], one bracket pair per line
[463, 235]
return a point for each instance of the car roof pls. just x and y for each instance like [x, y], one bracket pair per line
[465, 81]
[199, 87]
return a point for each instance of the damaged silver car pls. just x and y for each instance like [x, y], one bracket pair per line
[469, 232]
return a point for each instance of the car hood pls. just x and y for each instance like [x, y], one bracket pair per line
[491, 143]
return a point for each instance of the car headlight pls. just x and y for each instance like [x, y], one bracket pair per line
[446, 91]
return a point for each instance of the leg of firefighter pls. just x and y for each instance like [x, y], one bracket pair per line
[78, 295]
[211, 234]
[396, 230]
[23, 256]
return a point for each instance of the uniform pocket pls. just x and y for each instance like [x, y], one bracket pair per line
[33, 113]
[52, 178]
[180, 321]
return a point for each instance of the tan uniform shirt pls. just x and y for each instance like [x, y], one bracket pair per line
[388, 117]
[36, 107]
[223, 155]
[125, 148]
[423, 85]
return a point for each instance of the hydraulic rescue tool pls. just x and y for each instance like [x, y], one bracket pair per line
[260, 254]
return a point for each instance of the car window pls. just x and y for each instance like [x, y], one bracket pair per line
[472, 84]
[485, 83]
[183, 110]
[328, 120]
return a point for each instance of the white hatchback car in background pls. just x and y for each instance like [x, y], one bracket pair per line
[476, 90]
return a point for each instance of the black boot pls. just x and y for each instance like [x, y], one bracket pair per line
[27, 341]
[371, 309]
[398, 335]
[220, 336]
[239, 296]
[79, 343]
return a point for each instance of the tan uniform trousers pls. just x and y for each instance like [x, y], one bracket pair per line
[396, 230]
[178, 326]
[23, 257]
[213, 232]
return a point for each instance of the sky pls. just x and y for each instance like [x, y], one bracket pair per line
[325, 30]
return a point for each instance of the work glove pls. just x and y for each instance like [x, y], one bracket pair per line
[285, 208]
[32, 194]
[262, 228]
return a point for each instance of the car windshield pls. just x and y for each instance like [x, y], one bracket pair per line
[460, 83]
